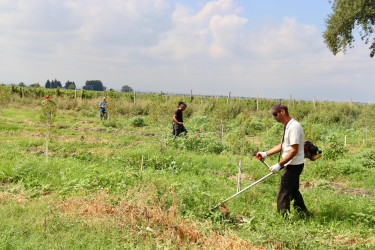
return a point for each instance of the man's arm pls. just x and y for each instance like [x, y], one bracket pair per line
[175, 120]
[274, 150]
[293, 152]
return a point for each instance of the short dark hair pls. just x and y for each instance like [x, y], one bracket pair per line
[182, 104]
[277, 107]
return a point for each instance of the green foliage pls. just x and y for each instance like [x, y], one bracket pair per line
[161, 162]
[95, 85]
[205, 144]
[349, 16]
[47, 84]
[70, 85]
[5, 96]
[48, 112]
[138, 121]
[340, 113]
[198, 123]
[366, 158]
[334, 148]
[366, 217]
[54, 84]
[35, 85]
[193, 174]
[126, 88]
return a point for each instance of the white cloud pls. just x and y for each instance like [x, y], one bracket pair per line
[228, 34]
[161, 45]
[125, 23]
[218, 7]
[210, 32]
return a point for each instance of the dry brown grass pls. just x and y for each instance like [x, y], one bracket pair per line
[5, 196]
[141, 214]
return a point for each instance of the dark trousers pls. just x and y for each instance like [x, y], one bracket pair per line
[103, 114]
[289, 190]
[178, 129]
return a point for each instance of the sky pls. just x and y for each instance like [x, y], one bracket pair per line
[270, 48]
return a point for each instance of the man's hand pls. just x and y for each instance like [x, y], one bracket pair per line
[261, 154]
[275, 168]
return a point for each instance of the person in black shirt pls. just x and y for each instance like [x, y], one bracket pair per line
[178, 122]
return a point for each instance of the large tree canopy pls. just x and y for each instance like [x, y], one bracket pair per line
[96, 85]
[53, 84]
[126, 88]
[70, 85]
[347, 16]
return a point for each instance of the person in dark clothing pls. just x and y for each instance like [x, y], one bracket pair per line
[178, 121]
[292, 162]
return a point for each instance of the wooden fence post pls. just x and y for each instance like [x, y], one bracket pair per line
[239, 176]
[142, 164]
[257, 102]
[47, 151]
[290, 101]
[314, 102]
[228, 97]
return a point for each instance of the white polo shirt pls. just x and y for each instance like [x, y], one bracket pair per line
[294, 135]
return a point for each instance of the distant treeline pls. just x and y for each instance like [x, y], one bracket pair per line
[95, 85]
[71, 93]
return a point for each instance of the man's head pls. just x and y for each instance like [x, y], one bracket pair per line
[280, 112]
[182, 106]
[104, 99]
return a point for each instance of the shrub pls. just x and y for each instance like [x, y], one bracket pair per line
[366, 158]
[138, 121]
[209, 144]
[161, 162]
[198, 123]
[334, 149]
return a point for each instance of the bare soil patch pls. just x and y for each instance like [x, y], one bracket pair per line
[62, 126]
[84, 129]
[341, 188]
[85, 122]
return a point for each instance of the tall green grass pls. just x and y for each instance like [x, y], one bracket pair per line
[52, 205]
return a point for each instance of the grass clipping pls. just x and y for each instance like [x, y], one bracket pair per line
[146, 218]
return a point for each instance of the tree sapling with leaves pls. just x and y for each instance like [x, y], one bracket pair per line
[48, 113]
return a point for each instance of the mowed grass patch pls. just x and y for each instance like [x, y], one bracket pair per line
[93, 177]
[139, 220]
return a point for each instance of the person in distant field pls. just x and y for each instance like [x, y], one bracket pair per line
[103, 113]
[178, 121]
[292, 162]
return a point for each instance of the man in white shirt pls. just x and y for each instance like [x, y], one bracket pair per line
[292, 161]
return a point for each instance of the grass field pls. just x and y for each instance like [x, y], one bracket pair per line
[92, 193]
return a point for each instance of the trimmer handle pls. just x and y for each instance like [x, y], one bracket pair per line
[259, 157]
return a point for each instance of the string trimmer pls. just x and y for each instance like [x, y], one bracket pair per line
[221, 204]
